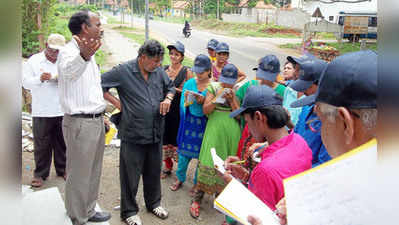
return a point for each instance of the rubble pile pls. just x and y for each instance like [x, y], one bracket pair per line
[27, 133]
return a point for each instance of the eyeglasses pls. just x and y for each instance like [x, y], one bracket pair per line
[314, 125]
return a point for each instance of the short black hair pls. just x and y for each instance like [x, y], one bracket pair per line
[76, 21]
[151, 48]
[277, 116]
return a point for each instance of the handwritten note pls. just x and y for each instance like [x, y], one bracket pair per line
[331, 194]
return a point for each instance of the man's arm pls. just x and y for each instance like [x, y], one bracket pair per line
[113, 100]
[73, 63]
[111, 79]
[29, 81]
[170, 93]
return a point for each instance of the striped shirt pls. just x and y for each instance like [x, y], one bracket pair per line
[79, 82]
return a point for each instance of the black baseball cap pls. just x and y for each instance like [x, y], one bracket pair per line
[312, 69]
[222, 47]
[201, 64]
[348, 81]
[229, 74]
[268, 68]
[178, 46]
[258, 96]
[212, 44]
[303, 58]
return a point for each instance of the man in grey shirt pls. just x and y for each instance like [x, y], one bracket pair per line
[145, 93]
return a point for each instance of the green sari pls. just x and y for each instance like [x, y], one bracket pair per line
[222, 133]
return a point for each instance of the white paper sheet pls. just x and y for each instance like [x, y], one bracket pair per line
[332, 194]
[218, 163]
[238, 202]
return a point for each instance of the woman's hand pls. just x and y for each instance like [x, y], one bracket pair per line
[200, 99]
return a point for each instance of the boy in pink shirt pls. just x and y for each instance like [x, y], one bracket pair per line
[287, 154]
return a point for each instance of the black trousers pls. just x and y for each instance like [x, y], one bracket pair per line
[137, 160]
[48, 140]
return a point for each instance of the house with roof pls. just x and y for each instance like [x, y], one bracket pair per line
[179, 8]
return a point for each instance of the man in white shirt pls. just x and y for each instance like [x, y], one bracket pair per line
[82, 101]
[40, 77]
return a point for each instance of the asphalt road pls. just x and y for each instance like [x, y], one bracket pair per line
[244, 51]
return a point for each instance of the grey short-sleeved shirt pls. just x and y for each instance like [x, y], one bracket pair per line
[141, 120]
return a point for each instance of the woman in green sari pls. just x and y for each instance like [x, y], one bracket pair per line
[221, 133]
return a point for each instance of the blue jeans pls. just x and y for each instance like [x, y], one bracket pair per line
[182, 169]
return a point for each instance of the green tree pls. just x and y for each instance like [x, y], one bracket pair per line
[37, 18]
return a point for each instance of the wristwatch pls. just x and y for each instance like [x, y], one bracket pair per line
[170, 98]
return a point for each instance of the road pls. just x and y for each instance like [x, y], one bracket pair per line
[244, 51]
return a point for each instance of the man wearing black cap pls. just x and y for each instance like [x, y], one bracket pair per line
[287, 154]
[346, 103]
[146, 93]
[309, 124]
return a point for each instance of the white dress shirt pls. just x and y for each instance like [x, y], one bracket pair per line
[45, 100]
[79, 82]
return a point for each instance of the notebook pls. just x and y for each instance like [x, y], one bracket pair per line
[238, 202]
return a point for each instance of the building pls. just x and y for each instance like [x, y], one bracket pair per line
[179, 7]
[330, 11]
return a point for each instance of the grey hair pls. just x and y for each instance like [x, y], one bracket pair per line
[367, 116]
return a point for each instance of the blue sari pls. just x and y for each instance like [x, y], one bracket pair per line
[192, 123]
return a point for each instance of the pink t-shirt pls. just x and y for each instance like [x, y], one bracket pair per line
[284, 158]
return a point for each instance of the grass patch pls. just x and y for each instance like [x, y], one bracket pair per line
[125, 28]
[140, 39]
[342, 48]
[112, 20]
[247, 29]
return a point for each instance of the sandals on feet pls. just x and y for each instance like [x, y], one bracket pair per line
[133, 220]
[195, 210]
[160, 212]
[37, 182]
[176, 186]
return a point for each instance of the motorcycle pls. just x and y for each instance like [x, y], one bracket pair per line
[187, 32]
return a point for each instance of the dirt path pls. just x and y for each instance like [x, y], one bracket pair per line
[121, 49]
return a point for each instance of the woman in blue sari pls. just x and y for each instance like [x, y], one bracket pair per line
[192, 119]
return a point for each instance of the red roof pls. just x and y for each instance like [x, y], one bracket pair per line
[180, 4]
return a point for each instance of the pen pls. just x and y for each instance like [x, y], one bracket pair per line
[238, 162]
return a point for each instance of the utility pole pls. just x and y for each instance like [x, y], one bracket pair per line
[218, 12]
[131, 16]
[146, 19]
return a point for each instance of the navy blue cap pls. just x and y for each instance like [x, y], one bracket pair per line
[222, 47]
[258, 96]
[201, 63]
[229, 74]
[307, 100]
[178, 46]
[350, 81]
[212, 44]
[312, 70]
[268, 68]
[303, 58]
